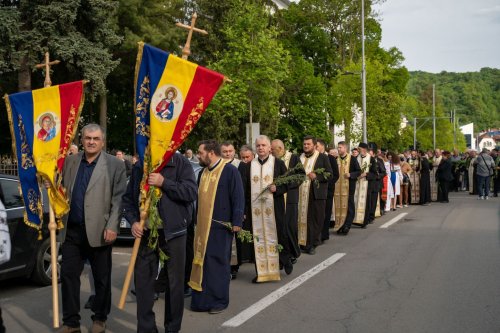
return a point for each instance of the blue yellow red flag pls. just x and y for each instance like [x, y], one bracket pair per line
[43, 124]
[171, 95]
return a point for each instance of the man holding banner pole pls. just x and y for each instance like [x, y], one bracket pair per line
[95, 183]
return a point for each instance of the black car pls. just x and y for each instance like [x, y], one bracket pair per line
[30, 257]
[125, 228]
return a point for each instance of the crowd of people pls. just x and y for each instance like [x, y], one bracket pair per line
[266, 208]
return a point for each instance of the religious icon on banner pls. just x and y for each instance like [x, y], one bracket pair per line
[47, 124]
[169, 102]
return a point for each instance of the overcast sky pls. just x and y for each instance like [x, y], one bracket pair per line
[443, 35]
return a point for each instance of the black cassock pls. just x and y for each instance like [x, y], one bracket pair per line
[425, 181]
[279, 205]
[317, 201]
[292, 213]
[354, 172]
[325, 233]
[228, 207]
[377, 189]
[372, 191]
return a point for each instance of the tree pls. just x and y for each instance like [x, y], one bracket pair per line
[257, 64]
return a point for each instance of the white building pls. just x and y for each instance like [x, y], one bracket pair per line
[282, 4]
[468, 132]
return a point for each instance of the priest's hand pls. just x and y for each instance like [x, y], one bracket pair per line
[363, 175]
[109, 236]
[155, 179]
[347, 175]
[137, 230]
[236, 228]
[312, 176]
[272, 188]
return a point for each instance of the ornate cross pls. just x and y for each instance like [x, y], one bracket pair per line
[47, 64]
[186, 51]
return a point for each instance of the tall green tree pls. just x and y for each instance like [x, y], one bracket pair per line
[257, 64]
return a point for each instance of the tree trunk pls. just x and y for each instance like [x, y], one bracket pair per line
[24, 75]
[103, 115]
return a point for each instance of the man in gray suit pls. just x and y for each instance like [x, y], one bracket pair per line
[95, 182]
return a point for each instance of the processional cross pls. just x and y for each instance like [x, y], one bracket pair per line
[47, 64]
[186, 51]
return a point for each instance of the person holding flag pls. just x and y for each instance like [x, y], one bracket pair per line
[163, 184]
[95, 182]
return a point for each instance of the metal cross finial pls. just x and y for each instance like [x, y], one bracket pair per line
[47, 64]
[186, 51]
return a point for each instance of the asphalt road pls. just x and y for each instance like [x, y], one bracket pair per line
[435, 269]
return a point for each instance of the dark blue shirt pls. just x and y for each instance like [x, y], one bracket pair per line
[77, 210]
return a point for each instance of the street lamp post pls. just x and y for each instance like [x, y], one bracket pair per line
[363, 69]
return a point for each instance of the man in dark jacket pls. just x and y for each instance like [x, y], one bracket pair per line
[444, 177]
[178, 191]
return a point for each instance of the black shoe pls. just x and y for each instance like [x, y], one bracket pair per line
[254, 280]
[187, 292]
[293, 261]
[216, 311]
[364, 225]
[288, 268]
[234, 274]
[345, 231]
[132, 291]
[90, 301]
[311, 251]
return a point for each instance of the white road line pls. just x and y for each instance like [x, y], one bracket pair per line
[122, 253]
[254, 309]
[394, 220]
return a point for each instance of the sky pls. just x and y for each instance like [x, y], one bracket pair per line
[443, 35]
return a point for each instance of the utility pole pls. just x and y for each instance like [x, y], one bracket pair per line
[434, 116]
[414, 133]
[363, 70]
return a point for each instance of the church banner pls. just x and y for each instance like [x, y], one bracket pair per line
[43, 124]
[170, 97]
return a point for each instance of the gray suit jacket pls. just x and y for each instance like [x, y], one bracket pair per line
[103, 197]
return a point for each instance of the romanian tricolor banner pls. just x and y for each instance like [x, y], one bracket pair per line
[43, 124]
[171, 95]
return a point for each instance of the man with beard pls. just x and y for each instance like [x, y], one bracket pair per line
[345, 188]
[266, 204]
[291, 200]
[220, 213]
[325, 231]
[312, 195]
[366, 186]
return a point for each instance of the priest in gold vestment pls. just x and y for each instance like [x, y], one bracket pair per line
[220, 214]
[265, 203]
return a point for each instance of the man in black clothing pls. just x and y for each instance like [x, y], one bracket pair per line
[444, 177]
[312, 195]
[349, 172]
[179, 190]
[378, 183]
[321, 148]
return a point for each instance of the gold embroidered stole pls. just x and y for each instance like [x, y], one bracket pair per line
[263, 221]
[361, 191]
[206, 198]
[304, 191]
[341, 197]
[415, 181]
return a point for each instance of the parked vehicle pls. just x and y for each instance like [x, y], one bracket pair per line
[30, 256]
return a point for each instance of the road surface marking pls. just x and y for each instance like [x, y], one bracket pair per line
[254, 309]
[394, 220]
[122, 253]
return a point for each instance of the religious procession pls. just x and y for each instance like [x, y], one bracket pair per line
[228, 166]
